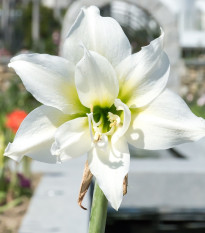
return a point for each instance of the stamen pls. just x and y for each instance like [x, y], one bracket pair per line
[100, 139]
[110, 132]
[114, 121]
[102, 143]
[91, 121]
[97, 123]
[97, 137]
[91, 108]
[90, 116]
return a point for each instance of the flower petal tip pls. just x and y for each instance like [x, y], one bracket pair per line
[92, 9]
[6, 152]
[17, 158]
[116, 206]
[10, 65]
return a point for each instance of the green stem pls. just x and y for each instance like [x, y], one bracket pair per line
[98, 211]
[27, 167]
[14, 182]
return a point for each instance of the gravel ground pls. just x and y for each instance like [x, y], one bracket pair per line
[10, 220]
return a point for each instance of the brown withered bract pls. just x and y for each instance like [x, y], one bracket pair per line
[86, 180]
[125, 184]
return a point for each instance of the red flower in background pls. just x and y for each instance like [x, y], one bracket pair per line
[14, 119]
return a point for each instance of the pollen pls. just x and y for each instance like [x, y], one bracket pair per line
[97, 137]
[113, 119]
[114, 123]
[91, 108]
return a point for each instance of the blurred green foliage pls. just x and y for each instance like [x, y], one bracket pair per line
[13, 97]
[197, 110]
[22, 30]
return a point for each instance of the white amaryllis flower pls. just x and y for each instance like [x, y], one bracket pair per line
[99, 98]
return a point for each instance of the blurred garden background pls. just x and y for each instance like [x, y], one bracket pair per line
[40, 26]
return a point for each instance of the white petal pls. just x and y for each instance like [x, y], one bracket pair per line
[50, 79]
[121, 130]
[109, 168]
[143, 75]
[72, 139]
[43, 153]
[100, 34]
[96, 81]
[165, 123]
[35, 135]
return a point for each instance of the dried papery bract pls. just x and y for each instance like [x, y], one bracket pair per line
[86, 180]
[125, 184]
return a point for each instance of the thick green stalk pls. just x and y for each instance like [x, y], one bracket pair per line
[98, 211]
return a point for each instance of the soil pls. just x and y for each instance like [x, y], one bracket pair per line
[11, 219]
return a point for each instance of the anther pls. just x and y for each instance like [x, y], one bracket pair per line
[97, 137]
[91, 108]
[114, 123]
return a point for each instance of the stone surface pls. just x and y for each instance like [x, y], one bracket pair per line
[161, 181]
[193, 151]
[54, 208]
[166, 184]
[192, 81]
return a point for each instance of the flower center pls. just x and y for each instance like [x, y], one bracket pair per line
[102, 124]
